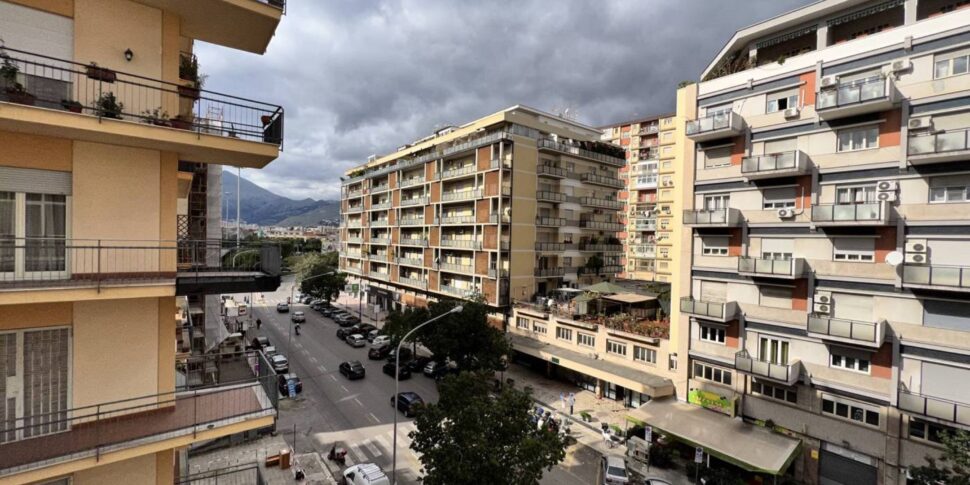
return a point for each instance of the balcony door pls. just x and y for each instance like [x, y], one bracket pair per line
[856, 194]
[773, 350]
[34, 382]
[717, 202]
[33, 235]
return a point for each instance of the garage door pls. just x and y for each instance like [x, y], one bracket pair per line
[836, 469]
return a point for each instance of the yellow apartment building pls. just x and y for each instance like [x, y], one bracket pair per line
[105, 138]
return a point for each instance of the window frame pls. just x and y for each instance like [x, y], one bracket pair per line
[714, 334]
[581, 337]
[852, 142]
[850, 408]
[522, 323]
[540, 328]
[949, 59]
[843, 363]
[946, 194]
[791, 100]
[779, 354]
[927, 431]
[563, 333]
[774, 204]
[770, 391]
[612, 347]
[650, 354]
[708, 249]
[846, 255]
[726, 376]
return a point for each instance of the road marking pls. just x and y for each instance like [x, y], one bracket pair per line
[298, 345]
[344, 388]
[314, 360]
[375, 419]
[305, 352]
[323, 369]
[355, 449]
[358, 402]
[333, 377]
[372, 448]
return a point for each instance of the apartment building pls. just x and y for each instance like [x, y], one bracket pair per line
[509, 206]
[829, 217]
[110, 153]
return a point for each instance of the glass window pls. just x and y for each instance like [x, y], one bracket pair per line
[856, 194]
[585, 339]
[521, 322]
[774, 351]
[538, 328]
[615, 347]
[713, 334]
[775, 392]
[563, 333]
[782, 100]
[717, 201]
[951, 64]
[954, 194]
[858, 138]
[715, 246]
[8, 207]
[706, 372]
[644, 354]
[854, 249]
[779, 198]
[850, 363]
[850, 410]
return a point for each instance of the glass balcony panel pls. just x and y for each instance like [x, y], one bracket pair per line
[947, 142]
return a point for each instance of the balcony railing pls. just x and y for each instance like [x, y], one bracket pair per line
[645, 182]
[457, 268]
[412, 221]
[605, 248]
[853, 331]
[556, 246]
[494, 218]
[461, 195]
[644, 250]
[455, 172]
[354, 209]
[379, 223]
[943, 277]
[602, 270]
[718, 311]
[780, 164]
[418, 283]
[495, 273]
[853, 93]
[549, 272]
[411, 182]
[601, 225]
[781, 268]
[645, 225]
[106, 93]
[556, 172]
[870, 212]
[934, 407]
[380, 188]
[353, 223]
[547, 196]
[550, 221]
[947, 145]
[413, 242]
[784, 373]
[44, 439]
[355, 240]
[458, 290]
[380, 206]
[355, 193]
[377, 257]
[545, 143]
[414, 201]
[604, 203]
[715, 126]
[726, 217]
[648, 130]
[380, 241]
[354, 254]
[418, 261]
[243, 473]
[593, 178]
[461, 243]
[457, 219]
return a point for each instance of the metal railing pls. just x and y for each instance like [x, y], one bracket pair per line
[456, 172]
[44, 439]
[645, 225]
[645, 181]
[770, 267]
[605, 269]
[952, 411]
[495, 273]
[354, 254]
[550, 170]
[790, 160]
[593, 178]
[931, 143]
[710, 216]
[948, 276]
[721, 311]
[411, 261]
[353, 223]
[494, 218]
[379, 223]
[64, 85]
[414, 201]
[855, 92]
[461, 195]
[355, 193]
[354, 209]
[378, 275]
[715, 122]
[411, 221]
[355, 240]
[649, 129]
[582, 152]
[459, 268]
[601, 247]
[413, 242]
[870, 211]
[644, 250]
[458, 291]
[380, 241]
[381, 206]
[787, 373]
[457, 219]
[601, 225]
[413, 282]
[549, 272]
[550, 221]
[248, 474]
[377, 257]
[867, 332]
[555, 246]
[460, 243]
[604, 203]
[411, 182]
[548, 196]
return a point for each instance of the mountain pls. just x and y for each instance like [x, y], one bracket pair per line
[260, 206]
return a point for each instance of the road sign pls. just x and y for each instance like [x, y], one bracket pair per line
[699, 455]
[648, 434]
[354, 287]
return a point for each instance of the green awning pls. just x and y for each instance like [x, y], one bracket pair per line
[606, 288]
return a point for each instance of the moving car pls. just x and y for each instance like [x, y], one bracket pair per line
[352, 369]
[380, 341]
[284, 384]
[365, 474]
[356, 340]
[282, 308]
[259, 343]
[298, 317]
[403, 374]
[408, 403]
[280, 364]
[614, 470]
[377, 353]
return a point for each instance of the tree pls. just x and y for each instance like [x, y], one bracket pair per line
[327, 287]
[953, 466]
[594, 264]
[472, 437]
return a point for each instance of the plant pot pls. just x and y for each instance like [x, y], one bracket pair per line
[189, 92]
[21, 97]
[162, 123]
[101, 74]
[72, 106]
[180, 124]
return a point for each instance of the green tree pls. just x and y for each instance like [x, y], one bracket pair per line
[472, 437]
[953, 466]
[311, 283]
[594, 264]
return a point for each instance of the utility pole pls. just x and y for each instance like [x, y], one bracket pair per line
[238, 185]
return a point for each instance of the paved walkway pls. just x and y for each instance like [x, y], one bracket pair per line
[256, 452]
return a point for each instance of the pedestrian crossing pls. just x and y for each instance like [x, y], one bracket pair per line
[376, 448]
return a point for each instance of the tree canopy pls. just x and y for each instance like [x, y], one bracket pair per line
[952, 468]
[312, 266]
[472, 437]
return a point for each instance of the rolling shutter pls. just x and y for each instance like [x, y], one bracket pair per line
[938, 380]
[34, 181]
[713, 292]
[852, 307]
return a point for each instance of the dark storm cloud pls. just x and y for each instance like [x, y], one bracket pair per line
[358, 78]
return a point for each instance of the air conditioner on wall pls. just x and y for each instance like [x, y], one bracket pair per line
[921, 123]
[916, 246]
[785, 213]
[823, 297]
[791, 113]
[900, 65]
[829, 81]
[887, 186]
[917, 258]
[886, 196]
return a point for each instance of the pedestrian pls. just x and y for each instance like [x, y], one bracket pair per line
[607, 438]
[259, 323]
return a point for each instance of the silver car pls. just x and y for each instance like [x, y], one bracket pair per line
[356, 340]
[614, 470]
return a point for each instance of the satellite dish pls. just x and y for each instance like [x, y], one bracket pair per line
[894, 258]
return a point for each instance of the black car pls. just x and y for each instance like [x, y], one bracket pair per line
[435, 369]
[352, 369]
[403, 374]
[283, 307]
[408, 402]
[325, 311]
[284, 384]
[345, 332]
[259, 343]
[417, 364]
[346, 321]
[378, 353]
[406, 355]
[365, 328]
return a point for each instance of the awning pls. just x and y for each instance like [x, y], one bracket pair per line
[753, 448]
[629, 298]
[606, 287]
[632, 379]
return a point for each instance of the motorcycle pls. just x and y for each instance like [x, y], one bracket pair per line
[337, 455]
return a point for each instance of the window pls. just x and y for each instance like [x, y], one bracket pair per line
[854, 249]
[644, 354]
[585, 339]
[713, 374]
[521, 322]
[773, 350]
[850, 363]
[539, 328]
[35, 366]
[614, 347]
[42, 218]
[563, 333]
[856, 194]
[714, 246]
[850, 410]
[950, 189]
[775, 392]
[672, 362]
[712, 334]
[717, 157]
[858, 138]
[717, 201]
[782, 198]
[928, 431]
[782, 100]
[951, 64]
[778, 249]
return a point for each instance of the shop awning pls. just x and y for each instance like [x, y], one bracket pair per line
[632, 379]
[629, 298]
[751, 447]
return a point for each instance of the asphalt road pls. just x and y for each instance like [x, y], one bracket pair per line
[357, 414]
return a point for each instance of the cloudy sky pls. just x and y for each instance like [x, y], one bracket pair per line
[361, 77]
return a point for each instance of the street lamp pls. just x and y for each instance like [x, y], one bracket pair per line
[397, 385]
[289, 333]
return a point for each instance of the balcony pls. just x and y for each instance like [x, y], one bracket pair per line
[460, 243]
[601, 248]
[381, 258]
[354, 254]
[381, 206]
[352, 194]
[414, 201]
[867, 214]
[870, 95]
[354, 209]
[353, 223]
[411, 182]
[716, 126]
[550, 221]
[645, 225]
[644, 251]
[601, 225]
[246, 25]
[494, 218]
[549, 272]
[649, 130]
[947, 278]
[413, 242]
[352, 270]
[457, 268]
[461, 195]
[419, 261]
[159, 421]
[458, 172]
[547, 196]
[772, 268]
[458, 291]
[495, 273]
[727, 217]
[384, 187]
[943, 409]
[555, 246]
[866, 334]
[645, 182]
[469, 219]
[721, 312]
[379, 223]
[597, 271]
[415, 282]
[616, 159]
[601, 203]
[94, 104]
[774, 165]
[355, 240]
[411, 221]
[786, 374]
[592, 178]
[934, 147]
[551, 172]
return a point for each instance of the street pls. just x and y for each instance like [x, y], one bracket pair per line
[357, 414]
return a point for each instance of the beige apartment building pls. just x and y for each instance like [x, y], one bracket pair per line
[510, 206]
[105, 146]
[829, 221]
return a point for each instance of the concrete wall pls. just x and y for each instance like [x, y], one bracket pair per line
[141, 470]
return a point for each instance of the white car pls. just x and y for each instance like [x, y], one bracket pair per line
[656, 481]
[614, 470]
[356, 340]
[380, 340]
[365, 474]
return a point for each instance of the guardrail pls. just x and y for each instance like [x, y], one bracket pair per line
[771, 267]
[726, 216]
[414, 201]
[413, 242]
[866, 212]
[773, 162]
[864, 332]
[550, 221]
[932, 143]
[719, 311]
[593, 178]
[550, 170]
[461, 243]
[715, 122]
[786, 373]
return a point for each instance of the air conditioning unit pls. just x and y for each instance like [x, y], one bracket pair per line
[916, 246]
[823, 297]
[886, 196]
[900, 65]
[921, 123]
[785, 213]
[887, 186]
[791, 113]
[917, 258]
[829, 82]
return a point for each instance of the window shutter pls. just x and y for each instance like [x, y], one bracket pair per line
[938, 380]
[773, 245]
[852, 307]
[948, 252]
[713, 292]
[778, 146]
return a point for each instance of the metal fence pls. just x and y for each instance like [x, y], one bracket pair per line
[247, 474]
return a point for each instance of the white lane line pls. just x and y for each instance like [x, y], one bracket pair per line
[322, 369]
[355, 449]
[375, 420]
[344, 388]
[333, 377]
[358, 402]
[372, 448]
[314, 360]
[305, 352]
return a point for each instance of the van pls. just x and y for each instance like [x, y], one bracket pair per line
[365, 474]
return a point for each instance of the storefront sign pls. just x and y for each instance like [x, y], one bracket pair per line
[712, 401]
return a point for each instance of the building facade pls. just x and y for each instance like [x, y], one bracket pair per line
[829, 218]
[510, 206]
[108, 147]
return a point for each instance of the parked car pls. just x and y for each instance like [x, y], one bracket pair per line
[614, 469]
[346, 321]
[372, 335]
[306, 299]
[406, 355]
[418, 362]
[365, 328]
[407, 402]
[352, 369]
[655, 481]
[284, 384]
[269, 351]
[326, 311]
[316, 304]
[380, 340]
[280, 364]
[298, 317]
[437, 369]
[377, 353]
[365, 474]
[259, 343]
[403, 374]
[283, 308]
[351, 330]
[356, 340]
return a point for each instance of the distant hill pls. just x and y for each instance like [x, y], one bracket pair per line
[260, 206]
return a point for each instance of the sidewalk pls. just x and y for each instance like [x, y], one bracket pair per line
[256, 452]
[352, 305]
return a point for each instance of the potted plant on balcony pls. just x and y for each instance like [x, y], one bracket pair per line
[102, 74]
[156, 117]
[189, 71]
[16, 93]
[107, 106]
[182, 122]
[72, 106]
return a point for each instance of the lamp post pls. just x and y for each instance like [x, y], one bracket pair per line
[289, 333]
[397, 385]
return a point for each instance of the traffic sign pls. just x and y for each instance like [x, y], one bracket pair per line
[649, 434]
[699, 455]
